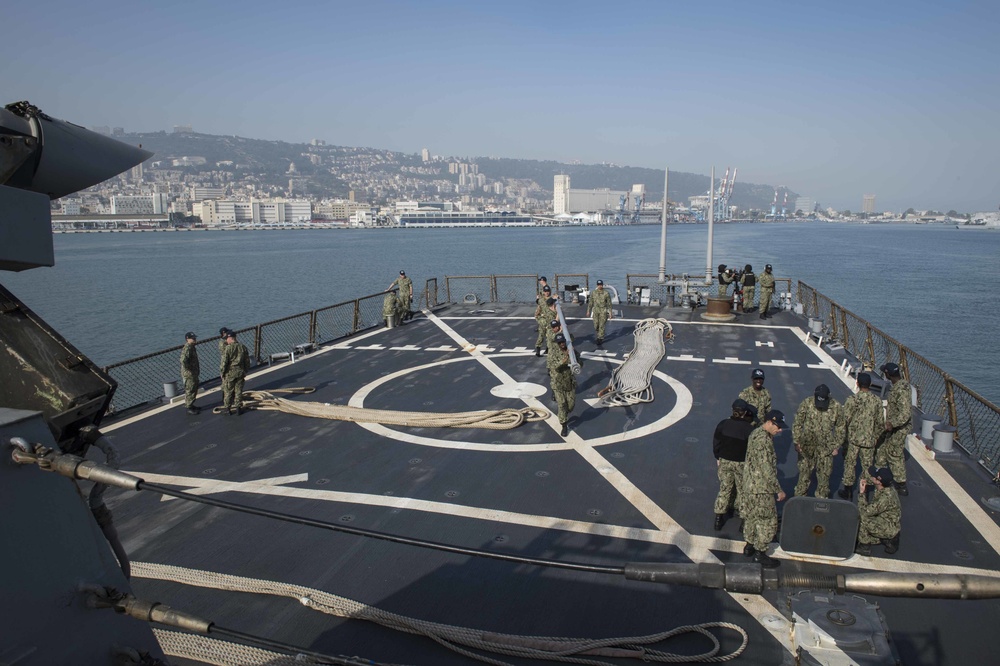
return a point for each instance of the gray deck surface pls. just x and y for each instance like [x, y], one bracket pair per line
[673, 467]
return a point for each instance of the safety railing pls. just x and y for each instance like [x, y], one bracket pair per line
[976, 419]
[491, 288]
[667, 294]
[141, 380]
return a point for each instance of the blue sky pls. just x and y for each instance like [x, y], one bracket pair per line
[832, 99]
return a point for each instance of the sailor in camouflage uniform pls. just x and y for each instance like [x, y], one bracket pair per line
[729, 445]
[222, 341]
[563, 383]
[880, 517]
[760, 487]
[755, 394]
[817, 432]
[863, 422]
[391, 308]
[599, 304]
[898, 424]
[726, 278]
[542, 316]
[405, 285]
[190, 369]
[749, 282]
[234, 367]
[766, 282]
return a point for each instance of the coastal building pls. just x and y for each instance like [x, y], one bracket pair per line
[218, 213]
[806, 205]
[566, 200]
[149, 204]
[868, 204]
[200, 193]
[459, 218]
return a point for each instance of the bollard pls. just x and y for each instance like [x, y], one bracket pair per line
[170, 390]
[927, 427]
[944, 437]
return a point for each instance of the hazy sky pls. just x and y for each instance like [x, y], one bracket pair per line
[832, 99]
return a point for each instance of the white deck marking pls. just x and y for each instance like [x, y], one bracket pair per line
[686, 357]
[760, 343]
[780, 364]
[816, 366]
[598, 353]
[406, 348]
[441, 348]
[370, 347]
[206, 487]
[518, 350]
[730, 359]
[485, 349]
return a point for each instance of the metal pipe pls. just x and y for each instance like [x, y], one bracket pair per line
[711, 226]
[663, 230]
[574, 365]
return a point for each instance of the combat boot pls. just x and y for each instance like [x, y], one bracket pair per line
[901, 488]
[538, 351]
[891, 545]
[846, 493]
[600, 341]
[863, 549]
[720, 518]
[565, 430]
[749, 550]
[765, 560]
[194, 410]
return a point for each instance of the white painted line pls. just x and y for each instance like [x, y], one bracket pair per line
[730, 359]
[685, 357]
[517, 350]
[780, 364]
[485, 349]
[441, 348]
[405, 348]
[817, 366]
[769, 343]
[371, 347]
[598, 355]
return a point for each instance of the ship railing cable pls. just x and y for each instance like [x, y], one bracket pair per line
[489, 419]
[632, 381]
[464, 640]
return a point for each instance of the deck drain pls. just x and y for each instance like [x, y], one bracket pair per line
[541, 474]
[388, 492]
[500, 538]
[210, 470]
[285, 429]
[690, 439]
[682, 475]
[415, 461]
[617, 454]
[429, 402]
[916, 483]
[451, 493]
[962, 554]
[211, 445]
[594, 512]
[798, 383]
[322, 482]
[305, 453]
[687, 490]
[347, 518]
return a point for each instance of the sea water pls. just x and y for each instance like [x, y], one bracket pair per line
[120, 295]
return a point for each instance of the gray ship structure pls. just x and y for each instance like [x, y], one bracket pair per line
[357, 513]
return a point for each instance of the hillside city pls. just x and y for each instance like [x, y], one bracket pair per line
[209, 181]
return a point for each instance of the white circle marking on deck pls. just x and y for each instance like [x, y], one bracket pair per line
[519, 390]
[681, 409]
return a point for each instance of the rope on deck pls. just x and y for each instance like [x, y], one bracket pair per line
[498, 419]
[631, 382]
[461, 639]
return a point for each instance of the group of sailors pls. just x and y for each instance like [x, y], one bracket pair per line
[745, 283]
[234, 363]
[747, 467]
[398, 297]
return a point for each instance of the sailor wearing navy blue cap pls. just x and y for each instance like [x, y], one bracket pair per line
[817, 432]
[760, 487]
[542, 314]
[898, 424]
[405, 295]
[190, 370]
[881, 516]
[766, 282]
[756, 394]
[599, 304]
[864, 424]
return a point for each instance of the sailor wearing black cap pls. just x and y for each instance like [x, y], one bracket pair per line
[880, 517]
[863, 423]
[756, 394]
[563, 383]
[760, 487]
[749, 282]
[222, 340]
[600, 304]
[543, 314]
[817, 432]
[729, 446]
[405, 295]
[726, 278]
[190, 369]
[766, 282]
[898, 424]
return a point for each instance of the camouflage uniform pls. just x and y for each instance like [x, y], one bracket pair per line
[600, 306]
[729, 445]
[234, 367]
[551, 347]
[880, 518]
[899, 416]
[405, 285]
[725, 279]
[749, 282]
[863, 423]
[766, 282]
[190, 369]
[816, 433]
[760, 485]
[563, 383]
[543, 316]
[390, 305]
[760, 400]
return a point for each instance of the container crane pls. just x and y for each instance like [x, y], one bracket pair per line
[640, 201]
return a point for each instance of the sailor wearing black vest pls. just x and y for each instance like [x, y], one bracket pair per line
[729, 445]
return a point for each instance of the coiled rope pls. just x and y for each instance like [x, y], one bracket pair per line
[631, 382]
[497, 419]
[461, 639]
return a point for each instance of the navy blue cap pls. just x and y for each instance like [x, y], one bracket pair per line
[890, 369]
[883, 474]
[777, 417]
[864, 380]
[554, 323]
[757, 374]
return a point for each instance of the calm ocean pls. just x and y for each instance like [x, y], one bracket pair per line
[120, 295]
